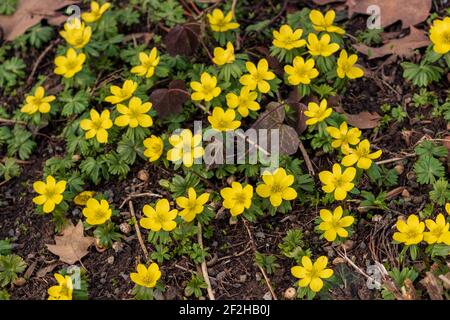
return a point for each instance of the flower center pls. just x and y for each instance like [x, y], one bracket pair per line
[239, 197]
[446, 36]
[276, 187]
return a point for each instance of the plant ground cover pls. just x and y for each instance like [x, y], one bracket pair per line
[400, 104]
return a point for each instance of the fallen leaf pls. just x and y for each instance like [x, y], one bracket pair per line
[30, 13]
[324, 2]
[72, 245]
[183, 39]
[403, 47]
[391, 11]
[433, 285]
[170, 101]
[395, 192]
[43, 272]
[294, 101]
[272, 117]
[362, 120]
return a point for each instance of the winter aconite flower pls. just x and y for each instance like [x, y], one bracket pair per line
[121, 94]
[301, 72]
[135, 114]
[237, 198]
[312, 274]
[159, 217]
[276, 186]
[50, 193]
[223, 120]
[324, 23]
[154, 147]
[343, 137]
[224, 56]
[70, 64]
[316, 113]
[206, 89]
[346, 68]
[77, 37]
[447, 208]
[96, 12]
[440, 35]
[221, 23]
[186, 147]
[97, 212]
[362, 156]
[244, 102]
[321, 47]
[438, 231]
[333, 224]
[337, 181]
[192, 205]
[410, 232]
[258, 76]
[288, 39]
[148, 64]
[62, 291]
[97, 125]
[146, 277]
[82, 198]
[37, 103]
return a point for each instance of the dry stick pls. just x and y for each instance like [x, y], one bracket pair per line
[410, 155]
[203, 265]
[307, 159]
[39, 59]
[266, 278]
[12, 121]
[138, 195]
[138, 231]
[444, 279]
[233, 8]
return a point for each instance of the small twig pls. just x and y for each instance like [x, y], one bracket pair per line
[19, 161]
[266, 278]
[139, 195]
[203, 265]
[138, 231]
[396, 159]
[444, 279]
[235, 255]
[307, 159]
[39, 60]
[233, 8]
[12, 121]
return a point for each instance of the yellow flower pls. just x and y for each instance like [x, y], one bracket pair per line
[345, 66]
[96, 12]
[258, 76]
[237, 198]
[192, 205]
[186, 147]
[70, 64]
[224, 56]
[82, 198]
[324, 23]
[135, 114]
[440, 35]
[154, 147]
[38, 102]
[321, 47]
[439, 231]
[76, 37]
[148, 64]
[50, 193]
[343, 137]
[97, 125]
[276, 186]
[64, 289]
[221, 23]
[97, 212]
[361, 156]
[334, 224]
[223, 120]
[146, 277]
[121, 94]
[244, 102]
[160, 217]
[447, 208]
[288, 39]
[338, 181]
[312, 274]
[206, 89]
[411, 231]
[317, 113]
[301, 72]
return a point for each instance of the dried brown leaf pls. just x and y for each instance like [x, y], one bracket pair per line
[403, 47]
[72, 245]
[183, 39]
[170, 101]
[30, 13]
[433, 285]
[363, 120]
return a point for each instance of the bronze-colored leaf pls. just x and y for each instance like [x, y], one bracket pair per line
[72, 245]
[170, 101]
[183, 39]
[289, 140]
[272, 117]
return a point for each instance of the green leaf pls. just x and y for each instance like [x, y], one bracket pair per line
[428, 169]
[9, 169]
[421, 75]
[8, 7]
[74, 104]
[428, 148]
